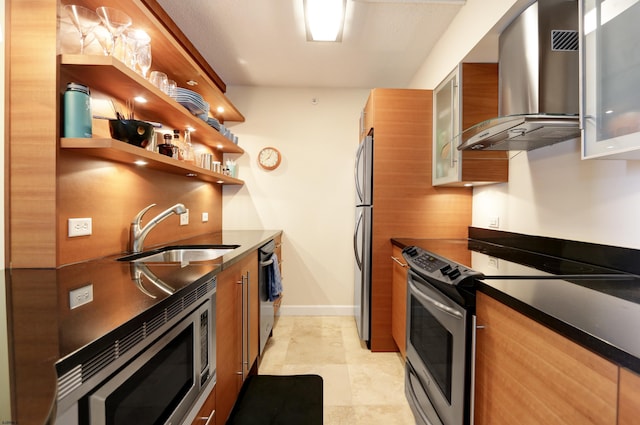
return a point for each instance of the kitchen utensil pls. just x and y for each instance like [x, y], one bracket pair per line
[84, 20]
[134, 132]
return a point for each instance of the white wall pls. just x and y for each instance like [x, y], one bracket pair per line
[551, 191]
[310, 196]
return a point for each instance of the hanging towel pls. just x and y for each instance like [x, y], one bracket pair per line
[275, 280]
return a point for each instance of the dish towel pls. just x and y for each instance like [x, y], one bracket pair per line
[275, 280]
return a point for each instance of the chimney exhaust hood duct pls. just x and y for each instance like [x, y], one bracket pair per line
[539, 98]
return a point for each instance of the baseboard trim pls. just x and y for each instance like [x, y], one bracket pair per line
[316, 310]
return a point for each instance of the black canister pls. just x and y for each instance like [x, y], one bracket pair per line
[77, 111]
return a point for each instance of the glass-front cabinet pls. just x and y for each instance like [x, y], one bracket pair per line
[467, 96]
[446, 128]
[610, 72]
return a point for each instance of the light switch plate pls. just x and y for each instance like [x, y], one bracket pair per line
[184, 218]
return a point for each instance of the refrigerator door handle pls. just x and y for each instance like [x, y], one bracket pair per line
[359, 154]
[355, 240]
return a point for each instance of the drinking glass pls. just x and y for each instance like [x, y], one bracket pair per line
[104, 38]
[115, 21]
[172, 88]
[143, 58]
[160, 80]
[84, 20]
[137, 50]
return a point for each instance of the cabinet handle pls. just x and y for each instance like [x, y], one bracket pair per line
[453, 149]
[242, 339]
[208, 418]
[397, 260]
[480, 327]
[248, 327]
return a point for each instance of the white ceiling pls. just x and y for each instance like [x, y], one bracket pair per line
[263, 43]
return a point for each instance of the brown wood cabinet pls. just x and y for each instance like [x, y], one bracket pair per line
[207, 413]
[528, 374]
[399, 301]
[628, 398]
[237, 330]
[405, 202]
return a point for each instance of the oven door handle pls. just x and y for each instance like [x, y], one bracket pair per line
[440, 306]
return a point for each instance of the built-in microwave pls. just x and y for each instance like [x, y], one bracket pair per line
[160, 385]
[160, 379]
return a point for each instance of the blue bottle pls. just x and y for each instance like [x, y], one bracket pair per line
[77, 111]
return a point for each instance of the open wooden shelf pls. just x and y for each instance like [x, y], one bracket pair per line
[116, 150]
[110, 76]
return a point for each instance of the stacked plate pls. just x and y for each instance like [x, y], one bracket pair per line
[213, 123]
[192, 101]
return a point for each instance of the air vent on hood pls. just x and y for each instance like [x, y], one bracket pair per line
[539, 69]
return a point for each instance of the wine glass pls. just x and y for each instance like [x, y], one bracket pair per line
[143, 58]
[84, 20]
[115, 21]
[104, 38]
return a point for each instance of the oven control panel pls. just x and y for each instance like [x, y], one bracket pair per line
[433, 266]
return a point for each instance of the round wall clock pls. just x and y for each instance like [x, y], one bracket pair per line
[269, 158]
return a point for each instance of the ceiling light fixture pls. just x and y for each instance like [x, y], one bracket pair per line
[324, 19]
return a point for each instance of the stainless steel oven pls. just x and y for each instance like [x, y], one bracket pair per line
[440, 340]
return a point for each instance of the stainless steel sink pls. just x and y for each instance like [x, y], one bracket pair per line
[181, 254]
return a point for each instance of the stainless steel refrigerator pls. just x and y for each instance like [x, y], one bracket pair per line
[362, 236]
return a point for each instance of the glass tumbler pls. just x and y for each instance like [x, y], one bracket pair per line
[160, 80]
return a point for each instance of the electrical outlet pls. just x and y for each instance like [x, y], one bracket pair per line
[184, 218]
[80, 296]
[79, 227]
[494, 222]
[205, 217]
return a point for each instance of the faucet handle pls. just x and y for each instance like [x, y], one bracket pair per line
[138, 217]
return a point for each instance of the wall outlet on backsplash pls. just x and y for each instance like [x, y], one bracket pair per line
[494, 222]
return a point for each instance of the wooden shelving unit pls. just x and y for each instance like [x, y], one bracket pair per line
[113, 78]
[116, 150]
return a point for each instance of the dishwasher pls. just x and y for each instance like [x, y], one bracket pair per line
[266, 258]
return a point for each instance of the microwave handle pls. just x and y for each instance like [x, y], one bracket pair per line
[440, 306]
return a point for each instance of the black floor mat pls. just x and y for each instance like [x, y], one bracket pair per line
[279, 400]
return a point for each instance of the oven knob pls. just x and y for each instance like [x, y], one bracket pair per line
[445, 269]
[412, 251]
[453, 274]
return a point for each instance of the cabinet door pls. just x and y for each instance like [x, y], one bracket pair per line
[528, 374]
[629, 398]
[228, 340]
[399, 301]
[446, 128]
[610, 67]
[251, 310]
[207, 413]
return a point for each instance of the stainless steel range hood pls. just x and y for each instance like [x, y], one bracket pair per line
[538, 62]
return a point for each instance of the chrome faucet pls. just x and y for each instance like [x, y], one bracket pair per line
[138, 234]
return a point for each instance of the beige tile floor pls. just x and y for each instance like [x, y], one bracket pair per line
[360, 387]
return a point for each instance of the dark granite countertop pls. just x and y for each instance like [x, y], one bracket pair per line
[44, 331]
[599, 314]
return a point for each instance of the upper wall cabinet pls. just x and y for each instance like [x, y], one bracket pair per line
[610, 67]
[466, 97]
